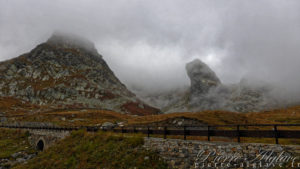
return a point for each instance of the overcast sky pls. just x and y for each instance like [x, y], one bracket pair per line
[148, 43]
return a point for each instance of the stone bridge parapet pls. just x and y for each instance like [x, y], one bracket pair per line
[187, 154]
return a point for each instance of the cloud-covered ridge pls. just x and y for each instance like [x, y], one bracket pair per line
[147, 43]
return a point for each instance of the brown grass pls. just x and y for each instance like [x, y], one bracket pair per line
[93, 117]
[89, 117]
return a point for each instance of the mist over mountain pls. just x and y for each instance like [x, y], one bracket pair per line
[207, 92]
[149, 83]
[147, 44]
[66, 72]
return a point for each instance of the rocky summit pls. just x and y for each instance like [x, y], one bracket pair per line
[206, 92]
[66, 72]
[202, 77]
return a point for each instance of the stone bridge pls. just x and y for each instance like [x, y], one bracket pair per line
[43, 139]
[42, 135]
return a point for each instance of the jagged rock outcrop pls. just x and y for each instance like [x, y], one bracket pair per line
[208, 93]
[202, 78]
[67, 72]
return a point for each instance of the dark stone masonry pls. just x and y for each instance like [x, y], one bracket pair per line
[200, 154]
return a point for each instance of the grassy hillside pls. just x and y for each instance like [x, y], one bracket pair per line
[96, 150]
[13, 144]
[87, 117]
[91, 117]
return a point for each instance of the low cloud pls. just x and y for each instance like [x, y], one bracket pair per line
[147, 43]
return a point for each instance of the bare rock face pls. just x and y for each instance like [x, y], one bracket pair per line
[202, 77]
[66, 72]
[208, 93]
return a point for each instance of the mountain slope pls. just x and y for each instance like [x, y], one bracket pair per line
[66, 72]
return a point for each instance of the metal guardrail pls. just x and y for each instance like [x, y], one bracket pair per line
[234, 131]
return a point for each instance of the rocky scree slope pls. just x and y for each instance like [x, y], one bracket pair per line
[66, 72]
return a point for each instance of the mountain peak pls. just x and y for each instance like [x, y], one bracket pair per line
[202, 77]
[69, 40]
[67, 72]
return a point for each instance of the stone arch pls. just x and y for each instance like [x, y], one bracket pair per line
[40, 144]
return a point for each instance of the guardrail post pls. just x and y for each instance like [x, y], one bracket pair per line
[184, 132]
[148, 132]
[165, 132]
[238, 133]
[276, 133]
[208, 133]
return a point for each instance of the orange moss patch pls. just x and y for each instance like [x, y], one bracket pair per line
[283, 116]
[15, 106]
[135, 109]
[107, 95]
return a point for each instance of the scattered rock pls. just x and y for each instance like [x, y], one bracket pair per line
[20, 160]
[18, 157]
[3, 119]
[108, 125]
[121, 124]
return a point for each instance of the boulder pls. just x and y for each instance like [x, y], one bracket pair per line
[121, 124]
[108, 125]
[3, 119]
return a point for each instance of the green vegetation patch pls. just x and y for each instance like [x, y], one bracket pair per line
[97, 150]
[13, 141]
